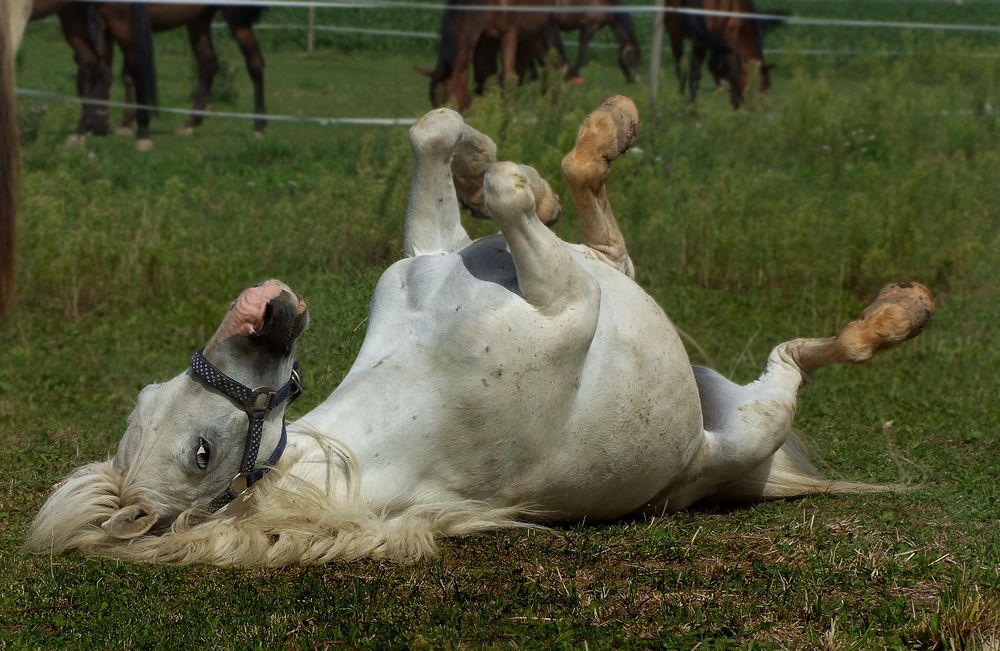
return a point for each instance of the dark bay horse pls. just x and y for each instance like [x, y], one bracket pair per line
[588, 23]
[461, 31]
[733, 44]
[197, 19]
[91, 29]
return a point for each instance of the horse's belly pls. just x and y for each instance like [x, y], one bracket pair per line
[472, 394]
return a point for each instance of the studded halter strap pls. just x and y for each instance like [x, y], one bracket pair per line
[257, 403]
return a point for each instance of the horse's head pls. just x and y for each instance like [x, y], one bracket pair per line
[447, 86]
[194, 442]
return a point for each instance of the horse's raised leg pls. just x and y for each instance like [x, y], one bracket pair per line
[748, 451]
[604, 136]
[698, 53]
[548, 277]
[433, 224]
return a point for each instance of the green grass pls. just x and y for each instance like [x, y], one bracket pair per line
[750, 228]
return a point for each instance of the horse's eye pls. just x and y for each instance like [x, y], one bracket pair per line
[201, 456]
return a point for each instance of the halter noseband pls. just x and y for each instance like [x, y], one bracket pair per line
[257, 403]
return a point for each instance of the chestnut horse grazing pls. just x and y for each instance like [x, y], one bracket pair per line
[502, 381]
[14, 16]
[461, 33]
[733, 44]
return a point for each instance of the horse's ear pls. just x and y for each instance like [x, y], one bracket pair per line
[130, 522]
[429, 72]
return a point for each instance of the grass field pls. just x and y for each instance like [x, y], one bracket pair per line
[749, 227]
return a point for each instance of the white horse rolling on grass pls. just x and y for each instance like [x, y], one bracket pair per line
[502, 382]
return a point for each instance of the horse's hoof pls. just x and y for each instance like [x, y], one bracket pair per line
[900, 311]
[437, 131]
[605, 134]
[124, 131]
[184, 130]
[76, 140]
[258, 135]
[143, 144]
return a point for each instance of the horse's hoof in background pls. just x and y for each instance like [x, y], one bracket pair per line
[143, 144]
[258, 135]
[184, 130]
[124, 131]
[76, 140]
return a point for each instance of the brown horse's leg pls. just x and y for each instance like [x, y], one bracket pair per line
[119, 20]
[587, 33]
[698, 52]
[604, 136]
[255, 67]
[199, 33]
[92, 77]
[508, 45]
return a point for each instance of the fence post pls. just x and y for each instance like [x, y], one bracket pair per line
[311, 34]
[655, 53]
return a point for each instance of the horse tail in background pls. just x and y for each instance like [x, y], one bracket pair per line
[242, 16]
[10, 160]
[141, 26]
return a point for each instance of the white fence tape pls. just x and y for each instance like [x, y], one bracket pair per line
[638, 9]
[270, 117]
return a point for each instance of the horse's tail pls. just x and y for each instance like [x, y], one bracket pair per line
[9, 164]
[242, 16]
[789, 473]
[141, 26]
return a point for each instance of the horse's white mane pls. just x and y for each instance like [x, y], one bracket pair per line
[285, 520]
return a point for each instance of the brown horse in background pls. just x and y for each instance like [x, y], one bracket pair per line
[92, 44]
[733, 44]
[14, 16]
[90, 29]
[588, 24]
[461, 31]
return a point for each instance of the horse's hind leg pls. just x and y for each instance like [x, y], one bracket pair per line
[899, 312]
[199, 33]
[254, 59]
[604, 136]
[748, 452]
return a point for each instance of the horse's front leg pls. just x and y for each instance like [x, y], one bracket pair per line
[587, 33]
[549, 278]
[433, 223]
[508, 46]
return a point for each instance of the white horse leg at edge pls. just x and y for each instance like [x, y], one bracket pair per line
[502, 382]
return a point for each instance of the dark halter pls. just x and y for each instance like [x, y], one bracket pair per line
[257, 403]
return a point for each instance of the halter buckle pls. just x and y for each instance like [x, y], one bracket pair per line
[260, 402]
[239, 485]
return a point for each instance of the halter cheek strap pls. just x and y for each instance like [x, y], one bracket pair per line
[257, 403]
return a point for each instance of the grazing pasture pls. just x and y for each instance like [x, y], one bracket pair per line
[749, 227]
